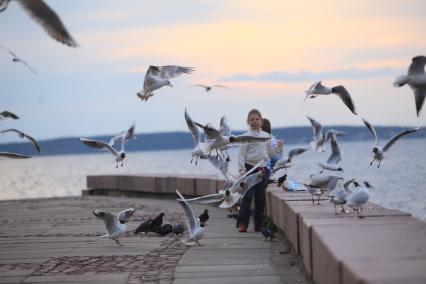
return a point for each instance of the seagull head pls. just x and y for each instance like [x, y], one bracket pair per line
[340, 169]
[375, 149]
[123, 155]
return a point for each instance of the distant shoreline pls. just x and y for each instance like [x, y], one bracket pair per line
[183, 140]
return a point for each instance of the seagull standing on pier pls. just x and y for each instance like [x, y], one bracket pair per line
[115, 226]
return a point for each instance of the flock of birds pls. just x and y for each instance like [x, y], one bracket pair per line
[219, 140]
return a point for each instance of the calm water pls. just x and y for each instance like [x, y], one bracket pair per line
[399, 182]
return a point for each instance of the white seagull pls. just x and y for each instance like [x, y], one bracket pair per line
[334, 158]
[285, 162]
[378, 152]
[199, 147]
[338, 195]
[319, 184]
[196, 232]
[319, 138]
[115, 225]
[357, 199]
[24, 136]
[416, 79]
[96, 144]
[220, 142]
[318, 89]
[208, 88]
[46, 17]
[17, 59]
[158, 76]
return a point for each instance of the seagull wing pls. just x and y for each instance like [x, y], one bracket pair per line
[345, 97]
[13, 155]
[417, 66]
[49, 20]
[312, 89]
[219, 86]
[99, 145]
[372, 130]
[200, 85]
[224, 128]
[211, 132]
[419, 97]
[24, 135]
[28, 66]
[191, 221]
[192, 128]
[249, 182]
[125, 214]
[108, 218]
[9, 114]
[347, 184]
[336, 155]
[221, 165]
[247, 139]
[397, 136]
[234, 187]
[210, 198]
[316, 128]
[172, 71]
[296, 152]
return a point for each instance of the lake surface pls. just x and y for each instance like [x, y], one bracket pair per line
[399, 183]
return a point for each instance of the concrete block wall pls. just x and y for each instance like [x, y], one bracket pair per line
[387, 246]
[155, 183]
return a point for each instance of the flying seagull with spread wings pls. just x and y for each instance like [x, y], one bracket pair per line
[416, 79]
[24, 136]
[15, 58]
[115, 225]
[208, 88]
[159, 76]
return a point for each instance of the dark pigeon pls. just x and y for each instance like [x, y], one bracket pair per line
[281, 180]
[144, 227]
[268, 233]
[178, 229]
[165, 229]
[204, 217]
[157, 222]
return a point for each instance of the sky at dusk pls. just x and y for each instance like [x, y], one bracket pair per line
[267, 52]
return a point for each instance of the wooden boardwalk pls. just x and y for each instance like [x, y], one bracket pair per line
[57, 241]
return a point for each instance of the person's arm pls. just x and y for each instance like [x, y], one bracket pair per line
[242, 159]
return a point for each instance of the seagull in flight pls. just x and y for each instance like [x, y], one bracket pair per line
[199, 147]
[285, 162]
[196, 232]
[221, 142]
[208, 88]
[378, 152]
[24, 136]
[17, 59]
[13, 155]
[334, 158]
[158, 76]
[115, 226]
[416, 79]
[318, 89]
[46, 17]
[97, 144]
[8, 114]
[319, 139]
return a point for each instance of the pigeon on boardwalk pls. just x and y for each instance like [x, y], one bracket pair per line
[13, 155]
[268, 233]
[164, 229]
[8, 114]
[196, 232]
[204, 217]
[157, 222]
[378, 152]
[114, 225]
[158, 76]
[46, 17]
[178, 229]
[144, 227]
[24, 136]
[318, 89]
[208, 88]
[416, 79]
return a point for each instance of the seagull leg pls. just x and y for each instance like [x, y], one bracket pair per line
[379, 163]
[313, 202]
[318, 200]
[198, 243]
[335, 209]
[116, 166]
[360, 213]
